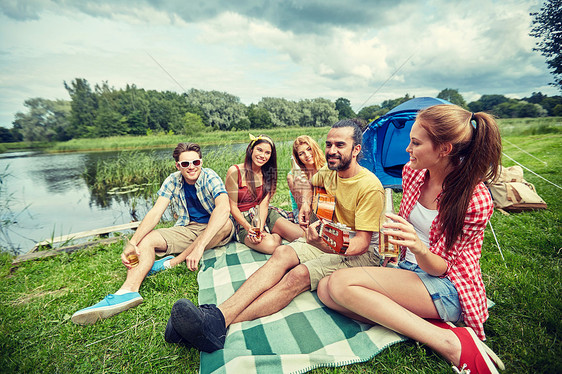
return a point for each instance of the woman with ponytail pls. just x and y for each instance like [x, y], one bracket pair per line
[440, 229]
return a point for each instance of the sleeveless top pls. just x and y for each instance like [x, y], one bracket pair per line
[245, 199]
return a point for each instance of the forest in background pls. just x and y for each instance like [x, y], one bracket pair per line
[104, 111]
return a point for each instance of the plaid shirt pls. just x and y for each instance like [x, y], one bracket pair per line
[463, 266]
[208, 186]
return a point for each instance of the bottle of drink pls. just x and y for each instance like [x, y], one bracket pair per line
[256, 223]
[387, 249]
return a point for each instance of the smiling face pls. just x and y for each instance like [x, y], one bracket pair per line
[423, 154]
[340, 151]
[304, 152]
[261, 154]
[191, 172]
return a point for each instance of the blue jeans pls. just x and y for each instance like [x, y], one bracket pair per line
[442, 291]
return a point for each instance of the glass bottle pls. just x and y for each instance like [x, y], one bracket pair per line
[256, 223]
[387, 249]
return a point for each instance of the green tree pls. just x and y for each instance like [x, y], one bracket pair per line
[259, 117]
[547, 27]
[192, 125]
[317, 112]
[282, 111]
[453, 96]
[343, 106]
[221, 109]
[45, 120]
[370, 113]
[84, 105]
[487, 103]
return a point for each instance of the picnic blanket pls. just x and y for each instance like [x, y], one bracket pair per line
[303, 336]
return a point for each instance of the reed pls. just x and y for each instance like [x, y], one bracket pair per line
[169, 140]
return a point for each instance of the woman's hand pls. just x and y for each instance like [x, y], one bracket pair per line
[256, 239]
[402, 232]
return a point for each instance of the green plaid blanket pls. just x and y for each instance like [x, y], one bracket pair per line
[303, 336]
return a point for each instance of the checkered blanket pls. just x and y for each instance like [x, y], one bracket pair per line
[303, 336]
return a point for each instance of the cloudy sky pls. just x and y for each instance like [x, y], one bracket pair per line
[365, 51]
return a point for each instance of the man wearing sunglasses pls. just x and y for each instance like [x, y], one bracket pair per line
[200, 201]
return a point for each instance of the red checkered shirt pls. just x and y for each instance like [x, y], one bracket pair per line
[463, 259]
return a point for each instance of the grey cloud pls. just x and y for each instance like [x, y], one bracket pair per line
[21, 10]
[313, 16]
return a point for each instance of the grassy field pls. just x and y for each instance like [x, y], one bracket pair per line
[524, 328]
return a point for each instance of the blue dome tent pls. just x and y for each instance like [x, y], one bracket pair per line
[386, 138]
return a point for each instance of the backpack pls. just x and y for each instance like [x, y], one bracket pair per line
[512, 193]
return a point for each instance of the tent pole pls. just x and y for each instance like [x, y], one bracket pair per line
[497, 243]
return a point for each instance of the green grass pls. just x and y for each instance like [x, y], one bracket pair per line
[165, 140]
[524, 328]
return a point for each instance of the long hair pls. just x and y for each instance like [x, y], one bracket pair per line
[475, 157]
[269, 169]
[317, 154]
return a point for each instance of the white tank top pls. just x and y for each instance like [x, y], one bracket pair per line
[421, 218]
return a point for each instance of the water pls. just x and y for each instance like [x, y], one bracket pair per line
[48, 197]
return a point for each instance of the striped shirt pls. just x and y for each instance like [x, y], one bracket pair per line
[208, 187]
[463, 259]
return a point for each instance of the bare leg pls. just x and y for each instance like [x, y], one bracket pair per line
[287, 230]
[268, 244]
[295, 282]
[394, 298]
[266, 277]
[150, 243]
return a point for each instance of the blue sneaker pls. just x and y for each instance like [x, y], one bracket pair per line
[109, 306]
[159, 265]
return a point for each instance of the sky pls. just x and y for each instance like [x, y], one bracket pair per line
[365, 51]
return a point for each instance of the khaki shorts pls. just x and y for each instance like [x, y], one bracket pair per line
[178, 238]
[321, 264]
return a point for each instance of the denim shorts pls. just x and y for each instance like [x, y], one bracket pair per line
[442, 291]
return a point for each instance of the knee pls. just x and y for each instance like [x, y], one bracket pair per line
[298, 278]
[337, 285]
[272, 241]
[322, 290]
[285, 254]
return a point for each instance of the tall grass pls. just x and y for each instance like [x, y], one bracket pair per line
[166, 140]
[530, 126]
[524, 328]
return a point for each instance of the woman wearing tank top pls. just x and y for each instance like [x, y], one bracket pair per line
[252, 184]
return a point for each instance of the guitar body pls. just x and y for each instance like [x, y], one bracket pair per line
[334, 235]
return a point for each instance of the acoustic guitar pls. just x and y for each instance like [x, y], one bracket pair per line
[334, 235]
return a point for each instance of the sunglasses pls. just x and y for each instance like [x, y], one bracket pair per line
[185, 164]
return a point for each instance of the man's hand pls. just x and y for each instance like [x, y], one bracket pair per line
[192, 259]
[312, 238]
[128, 250]
[304, 216]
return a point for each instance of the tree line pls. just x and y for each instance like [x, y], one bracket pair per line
[105, 111]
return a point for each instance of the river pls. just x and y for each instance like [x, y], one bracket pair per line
[45, 195]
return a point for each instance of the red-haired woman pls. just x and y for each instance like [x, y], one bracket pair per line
[440, 228]
[308, 158]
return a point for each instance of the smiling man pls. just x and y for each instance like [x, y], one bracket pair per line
[298, 266]
[199, 199]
